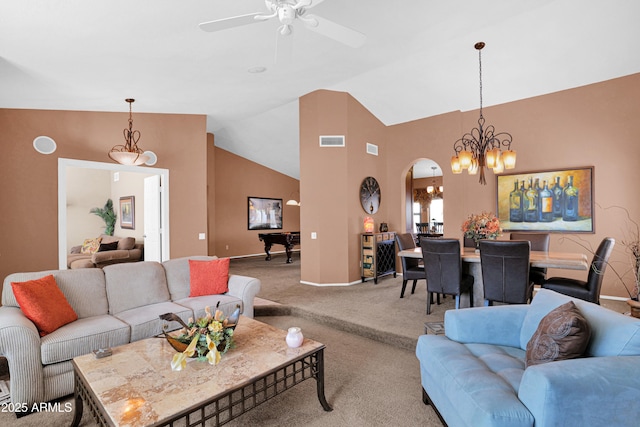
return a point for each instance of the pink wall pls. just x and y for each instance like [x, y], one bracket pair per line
[594, 125]
[29, 194]
[236, 179]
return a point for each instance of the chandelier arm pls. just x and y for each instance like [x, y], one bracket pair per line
[480, 141]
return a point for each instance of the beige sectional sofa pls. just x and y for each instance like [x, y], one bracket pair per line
[115, 305]
[127, 250]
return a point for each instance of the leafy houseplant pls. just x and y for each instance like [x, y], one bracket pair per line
[108, 215]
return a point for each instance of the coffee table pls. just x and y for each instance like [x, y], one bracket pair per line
[136, 386]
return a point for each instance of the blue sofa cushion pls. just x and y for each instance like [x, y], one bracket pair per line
[611, 333]
[473, 384]
[562, 334]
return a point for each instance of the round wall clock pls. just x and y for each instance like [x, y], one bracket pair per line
[370, 195]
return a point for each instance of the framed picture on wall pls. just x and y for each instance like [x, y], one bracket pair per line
[264, 214]
[548, 200]
[127, 212]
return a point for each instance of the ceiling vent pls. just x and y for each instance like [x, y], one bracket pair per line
[372, 149]
[332, 141]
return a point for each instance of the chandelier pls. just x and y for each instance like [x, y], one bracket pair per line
[435, 191]
[129, 153]
[482, 146]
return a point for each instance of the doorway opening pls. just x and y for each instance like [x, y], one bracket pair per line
[425, 197]
[71, 207]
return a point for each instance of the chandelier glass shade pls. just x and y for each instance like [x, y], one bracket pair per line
[129, 153]
[483, 147]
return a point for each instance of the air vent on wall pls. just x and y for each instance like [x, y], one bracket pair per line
[331, 140]
[372, 149]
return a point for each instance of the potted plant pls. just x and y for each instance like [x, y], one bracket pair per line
[108, 215]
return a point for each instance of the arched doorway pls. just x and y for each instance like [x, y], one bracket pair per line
[425, 197]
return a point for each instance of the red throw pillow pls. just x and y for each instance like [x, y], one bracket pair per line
[209, 277]
[43, 303]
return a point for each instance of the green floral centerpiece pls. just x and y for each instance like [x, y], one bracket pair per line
[206, 338]
[482, 226]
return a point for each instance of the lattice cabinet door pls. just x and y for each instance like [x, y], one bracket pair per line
[378, 255]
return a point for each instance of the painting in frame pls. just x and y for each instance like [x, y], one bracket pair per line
[264, 213]
[551, 201]
[127, 212]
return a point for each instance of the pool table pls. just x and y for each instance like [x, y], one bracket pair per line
[287, 239]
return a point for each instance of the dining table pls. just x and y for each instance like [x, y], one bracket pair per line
[471, 265]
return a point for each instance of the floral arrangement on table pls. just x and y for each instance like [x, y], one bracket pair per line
[482, 226]
[206, 338]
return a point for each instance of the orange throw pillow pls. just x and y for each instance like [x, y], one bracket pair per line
[209, 277]
[43, 303]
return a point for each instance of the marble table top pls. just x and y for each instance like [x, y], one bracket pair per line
[136, 385]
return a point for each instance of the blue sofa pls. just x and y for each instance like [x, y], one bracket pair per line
[475, 374]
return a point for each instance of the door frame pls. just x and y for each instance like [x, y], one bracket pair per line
[63, 164]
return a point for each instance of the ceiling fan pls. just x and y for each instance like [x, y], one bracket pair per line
[287, 12]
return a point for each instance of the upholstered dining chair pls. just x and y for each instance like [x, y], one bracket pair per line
[443, 265]
[411, 267]
[539, 242]
[505, 271]
[588, 290]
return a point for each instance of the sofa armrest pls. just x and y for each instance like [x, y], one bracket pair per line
[586, 391]
[245, 288]
[20, 344]
[498, 325]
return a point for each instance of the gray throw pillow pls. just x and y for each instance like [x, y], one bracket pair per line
[562, 334]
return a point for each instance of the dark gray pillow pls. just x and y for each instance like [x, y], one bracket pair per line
[562, 334]
[108, 246]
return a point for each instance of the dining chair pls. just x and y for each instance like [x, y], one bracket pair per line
[539, 242]
[505, 271]
[588, 290]
[443, 266]
[412, 269]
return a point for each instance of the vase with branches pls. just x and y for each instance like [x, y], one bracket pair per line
[108, 215]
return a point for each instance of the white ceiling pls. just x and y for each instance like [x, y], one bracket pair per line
[418, 60]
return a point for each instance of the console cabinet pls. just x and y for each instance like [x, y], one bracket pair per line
[377, 255]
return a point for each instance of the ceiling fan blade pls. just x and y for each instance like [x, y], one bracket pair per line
[284, 48]
[307, 4]
[334, 31]
[226, 23]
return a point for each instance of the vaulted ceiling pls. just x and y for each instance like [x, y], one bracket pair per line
[418, 60]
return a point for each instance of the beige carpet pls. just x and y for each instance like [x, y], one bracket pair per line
[367, 382]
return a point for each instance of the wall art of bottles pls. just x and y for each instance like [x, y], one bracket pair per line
[553, 200]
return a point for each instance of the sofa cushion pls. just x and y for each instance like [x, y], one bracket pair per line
[136, 284]
[208, 277]
[145, 320]
[44, 304]
[90, 246]
[82, 337]
[227, 305]
[473, 384]
[612, 334]
[178, 275]
[562, 334]
[84, 289]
